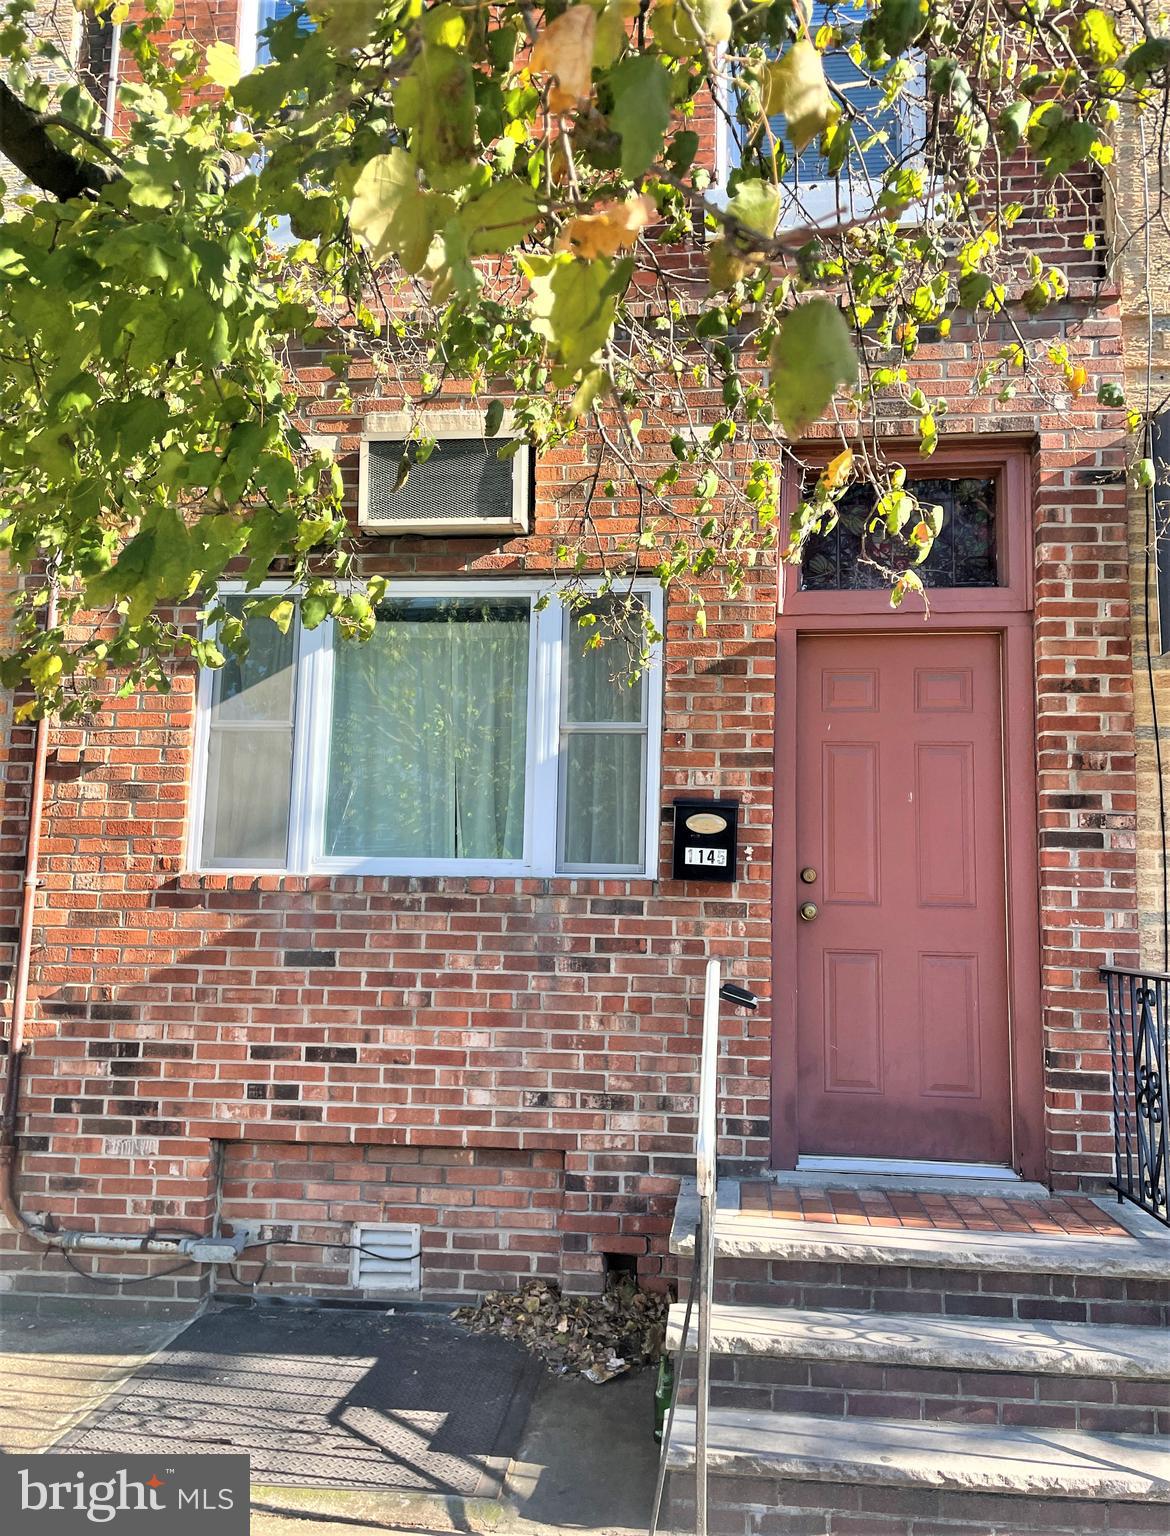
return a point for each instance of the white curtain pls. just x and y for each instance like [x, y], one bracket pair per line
[602, 771]
[427, 744]
[249, 757]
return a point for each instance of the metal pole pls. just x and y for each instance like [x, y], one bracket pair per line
[705, 1154]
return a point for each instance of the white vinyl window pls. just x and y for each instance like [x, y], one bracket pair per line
[473, 733]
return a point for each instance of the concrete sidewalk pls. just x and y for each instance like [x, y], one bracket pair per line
[586, 1460]
[56, 1370]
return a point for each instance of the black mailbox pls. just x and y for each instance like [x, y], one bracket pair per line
[704, 839]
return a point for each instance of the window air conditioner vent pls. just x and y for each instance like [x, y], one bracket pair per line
[462, 489]
[387, 1258]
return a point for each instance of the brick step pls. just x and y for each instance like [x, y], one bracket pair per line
[1119, 1279]
[801, 1474]
[965, 1370]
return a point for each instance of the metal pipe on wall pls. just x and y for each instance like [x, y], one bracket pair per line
[199, 1250]
[16, 1032]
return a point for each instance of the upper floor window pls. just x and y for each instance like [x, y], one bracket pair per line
[880, 134]
[472, 733]
[857, 555]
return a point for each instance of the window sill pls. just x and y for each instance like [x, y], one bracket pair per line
[528, 883]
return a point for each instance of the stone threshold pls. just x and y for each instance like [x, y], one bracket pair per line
[1108, 1351]
[903, 1453]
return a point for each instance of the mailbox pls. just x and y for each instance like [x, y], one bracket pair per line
[704, 839]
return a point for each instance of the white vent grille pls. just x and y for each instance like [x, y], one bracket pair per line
[387, 1258]
[463, 488]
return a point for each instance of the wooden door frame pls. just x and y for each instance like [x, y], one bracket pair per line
[1005, 612]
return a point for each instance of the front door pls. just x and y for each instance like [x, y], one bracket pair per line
[902, 990]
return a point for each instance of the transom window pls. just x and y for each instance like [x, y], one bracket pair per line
[473, 732]
[856, 555]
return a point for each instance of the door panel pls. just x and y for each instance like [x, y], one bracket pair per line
[902, 1014]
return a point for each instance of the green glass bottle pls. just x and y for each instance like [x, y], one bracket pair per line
[663, 1393]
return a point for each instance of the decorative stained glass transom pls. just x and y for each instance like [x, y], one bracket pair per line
[854, 556]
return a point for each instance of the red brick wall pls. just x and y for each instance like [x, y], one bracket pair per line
[490, 1216]
[538, 1035]
[360, 1019]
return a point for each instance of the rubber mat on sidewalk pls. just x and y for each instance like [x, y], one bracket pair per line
[329, 1399]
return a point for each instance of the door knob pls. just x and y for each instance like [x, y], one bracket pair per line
[808, 910]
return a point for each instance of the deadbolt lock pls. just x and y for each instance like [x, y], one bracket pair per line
[808, 910]
[808, 875]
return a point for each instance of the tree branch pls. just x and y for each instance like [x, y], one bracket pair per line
[25, 139]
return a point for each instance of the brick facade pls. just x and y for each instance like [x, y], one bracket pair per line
[512, 1062]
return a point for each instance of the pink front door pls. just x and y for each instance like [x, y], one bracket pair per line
[902, 988]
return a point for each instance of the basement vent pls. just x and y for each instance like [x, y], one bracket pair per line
[463, 488]
[387, 1258]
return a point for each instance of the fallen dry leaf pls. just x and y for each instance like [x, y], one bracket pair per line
[565, 50]
[610, 228]
[599, 1337]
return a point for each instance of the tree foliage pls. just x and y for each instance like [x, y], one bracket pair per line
[517, 203]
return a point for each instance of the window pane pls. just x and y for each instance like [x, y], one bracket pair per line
[260, 687]
[851, 557]
[596, 681]
[427, 748]
[602, 798]
[248, 778]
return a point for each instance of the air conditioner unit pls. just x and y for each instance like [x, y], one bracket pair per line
[463, 489]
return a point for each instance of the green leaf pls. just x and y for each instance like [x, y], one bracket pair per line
[756, 205]
[494, 418]
[500, 218]
[641, 110]
[1013, 124]
[574, 302]
[894, 26]
[435, 103]
[392, 214]
[811, 357]
[1148, 58]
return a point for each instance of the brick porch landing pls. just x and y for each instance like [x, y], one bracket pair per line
[1053, 1216]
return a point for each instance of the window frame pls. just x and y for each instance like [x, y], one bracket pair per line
[1006, 460]
[312, 712]
[248, 34]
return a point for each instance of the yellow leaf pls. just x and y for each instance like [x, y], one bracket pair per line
[1077, 379]
[797, 88]
[838, 470]
[612, 227]
[223, 65]
[565, 50]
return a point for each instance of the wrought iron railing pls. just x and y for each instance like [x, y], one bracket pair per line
[1139, 1029]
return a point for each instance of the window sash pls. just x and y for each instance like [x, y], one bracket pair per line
[544, 751]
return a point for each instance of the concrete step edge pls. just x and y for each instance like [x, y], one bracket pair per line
[903, 1453]
[737, 1236]
[1042, 1348]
